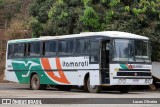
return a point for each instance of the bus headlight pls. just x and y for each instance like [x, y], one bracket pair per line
[148, 81]
[122, 81]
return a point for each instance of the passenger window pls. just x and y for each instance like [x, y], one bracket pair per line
[95, 48]
[83, 46]
[65, 47]
[10, 51]
[34, 49]
[62, 47]
[18, 50]
[49, 48]
[70, 46]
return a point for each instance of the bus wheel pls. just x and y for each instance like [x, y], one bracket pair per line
[35, 83]
[124, 89]
[93, 88]
[64, 87]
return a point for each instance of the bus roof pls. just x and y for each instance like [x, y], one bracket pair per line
[109, 34]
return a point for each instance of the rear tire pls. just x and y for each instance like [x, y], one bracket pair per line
[35, 83]
[93, 88]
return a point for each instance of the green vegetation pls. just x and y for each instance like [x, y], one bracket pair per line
[59, 17]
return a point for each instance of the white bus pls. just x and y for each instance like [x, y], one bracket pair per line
[91, 60]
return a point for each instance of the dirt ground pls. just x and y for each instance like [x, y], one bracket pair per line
[14, 90]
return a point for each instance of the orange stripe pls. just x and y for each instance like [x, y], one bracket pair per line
[61, 73]
[46, 65]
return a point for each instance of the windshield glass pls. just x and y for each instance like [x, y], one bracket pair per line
[131, 50]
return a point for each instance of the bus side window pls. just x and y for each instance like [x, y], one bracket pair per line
[10, 51]
[82, 46]
[70, 47]
[66, 47]
[62, 46]
[18, 50]
[49, 48]
[34, 49]
[95, 48]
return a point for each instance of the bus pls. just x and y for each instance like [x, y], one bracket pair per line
[91, 59]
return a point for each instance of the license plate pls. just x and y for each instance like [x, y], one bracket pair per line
[136, 80]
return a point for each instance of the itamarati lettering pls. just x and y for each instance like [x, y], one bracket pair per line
[75, 64]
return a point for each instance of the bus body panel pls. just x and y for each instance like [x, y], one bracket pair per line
[135, 74]
[54, 71]
[23, 68]
[95, 77]
[10, 76]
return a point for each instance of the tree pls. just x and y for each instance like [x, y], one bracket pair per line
[59, 17]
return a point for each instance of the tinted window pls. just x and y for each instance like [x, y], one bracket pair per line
[70, 46]
[10, 51]
[34, 49]
[62, 47]
[49, 48]
[18, 50]
[82, 46]
[95, 48]
[65, 47]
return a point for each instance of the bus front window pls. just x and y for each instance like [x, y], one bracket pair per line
[126, 50]
[141, 51]
[123, 50]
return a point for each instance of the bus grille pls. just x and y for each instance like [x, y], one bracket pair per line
[134, 74]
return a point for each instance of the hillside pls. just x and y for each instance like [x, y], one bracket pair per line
[13, 18]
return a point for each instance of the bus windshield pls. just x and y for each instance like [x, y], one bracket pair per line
[126, 50]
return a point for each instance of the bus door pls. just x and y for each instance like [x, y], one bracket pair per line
[104, 64]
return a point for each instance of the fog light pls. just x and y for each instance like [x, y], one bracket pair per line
[124, 81]
[120, 81]
[146, 81]
[149, 81]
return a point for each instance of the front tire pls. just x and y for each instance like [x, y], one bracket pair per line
[93, 88]
[35, 83]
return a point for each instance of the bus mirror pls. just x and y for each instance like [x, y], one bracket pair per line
[110, 48]
[107, 46]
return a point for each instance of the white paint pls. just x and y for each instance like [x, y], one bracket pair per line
[10, 76]
[111, 34]
[95, 77]
[80, 76]
[113, 73]
[156, 69]
[132, 82]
